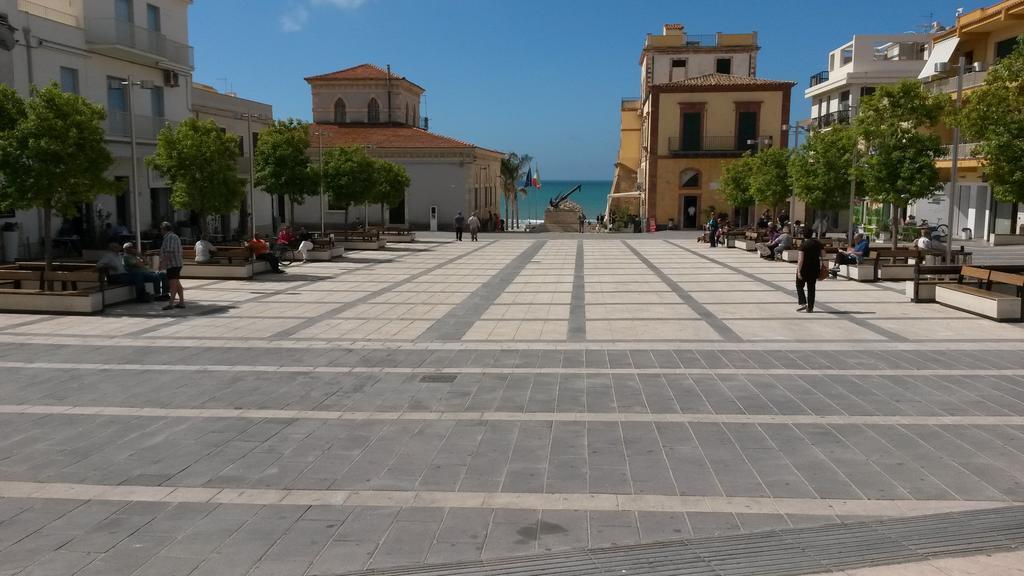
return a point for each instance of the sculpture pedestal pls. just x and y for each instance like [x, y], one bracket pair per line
[562, 220]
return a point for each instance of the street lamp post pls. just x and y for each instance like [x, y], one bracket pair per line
[248, 116]
[953, 170]
[323, 206]
[136, 195]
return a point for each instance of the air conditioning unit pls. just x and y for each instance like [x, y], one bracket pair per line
[171, 79]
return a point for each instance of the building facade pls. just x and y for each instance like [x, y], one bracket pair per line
[371, 107]
[94, 48]
[981, 38]
[701, 106]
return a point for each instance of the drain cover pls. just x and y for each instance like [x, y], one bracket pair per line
[438, 378]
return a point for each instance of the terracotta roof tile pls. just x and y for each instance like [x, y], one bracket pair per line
[361, 72]
[717, 79]
[382, 136]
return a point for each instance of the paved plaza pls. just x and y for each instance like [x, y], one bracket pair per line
[441, 402]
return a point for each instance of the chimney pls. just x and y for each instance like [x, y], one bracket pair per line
[673, 30]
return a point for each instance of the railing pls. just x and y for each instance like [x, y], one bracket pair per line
[948, 85]
[710, 145]
[966, 151]
[114, 32]
[146, 127]
[833, 118]
[57, 15]
[819, 78]
[702, 39]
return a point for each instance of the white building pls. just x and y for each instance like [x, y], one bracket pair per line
[368, 106]
[93, 48]
[857, 68]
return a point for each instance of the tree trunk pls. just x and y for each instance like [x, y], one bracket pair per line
[243, 220]
[47, 238]
[291, 211]
[204, 225]
[382, 216]
[894, 225]
[506, 212]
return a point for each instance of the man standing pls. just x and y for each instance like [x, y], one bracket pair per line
[170, 263]
[474, 227]
[460, 223]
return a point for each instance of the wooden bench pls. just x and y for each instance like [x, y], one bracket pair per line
[895, 264]
[749, 240]
[82, 291]
[793, 254]
[980, 298]
[232, 255]
[358, 239]
[324, 250]
[398, 234]
[926, 277]
[226, 263]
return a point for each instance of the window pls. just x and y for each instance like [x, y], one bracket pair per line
[255, 141]
[689, 178]
[723, 65]
[241, 144]
[124, 11]
[969, 57]
[692, 131]
[340, 112]
[846, 56]
[153, 17]
[746, 130]
[1005, 48]
[373, 111]
[844, 100]
[156, 98]
[867, 91]
[679, 62]
[117, 97]
[69, 80]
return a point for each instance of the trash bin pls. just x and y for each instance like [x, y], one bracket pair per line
[10, 235]
[966, 234]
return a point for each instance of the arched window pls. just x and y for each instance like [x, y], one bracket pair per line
[340, 112]
[373, 111]
[689, 178]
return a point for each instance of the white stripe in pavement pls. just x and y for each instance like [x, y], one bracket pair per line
[299, 344]
[384, 370]
[510, 416]
[505, 500]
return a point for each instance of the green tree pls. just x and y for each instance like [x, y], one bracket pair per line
[200, 162]
[994, 115]
[820, 169]
[892, 126]
[736, 179]
[52, 155]
[513, 170]
[349, 177]
[282, 162]
[769, 180]
[391, 183]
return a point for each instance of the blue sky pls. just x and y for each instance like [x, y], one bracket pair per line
[542, 77]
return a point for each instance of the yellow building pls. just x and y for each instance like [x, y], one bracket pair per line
[701, 106]
[980, 39]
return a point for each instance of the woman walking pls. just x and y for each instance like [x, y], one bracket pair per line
[808, 270]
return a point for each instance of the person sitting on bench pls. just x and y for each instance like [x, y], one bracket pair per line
[861, 250]
[113, 264]
[261, 250]
[782, 243]
[763, 247]
[135, 264]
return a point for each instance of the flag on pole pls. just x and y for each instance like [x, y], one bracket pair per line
[529, 177]
[536, 178]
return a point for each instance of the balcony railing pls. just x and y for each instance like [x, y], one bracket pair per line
[819, 78]
[712, 145]
[146, 127]
[966, 152]
[121, 33]
[833, 118]
[948, 85]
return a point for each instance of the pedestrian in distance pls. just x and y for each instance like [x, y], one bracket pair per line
[170, 263]
[474, 227]
[460, 224]
[809, 269]
[712, 228]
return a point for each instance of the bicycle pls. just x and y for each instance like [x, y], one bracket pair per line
[939, 232]
[285, 255]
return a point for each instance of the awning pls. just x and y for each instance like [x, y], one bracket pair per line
[941, 52]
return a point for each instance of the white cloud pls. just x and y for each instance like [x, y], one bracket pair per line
[294, 20]
[343, 4]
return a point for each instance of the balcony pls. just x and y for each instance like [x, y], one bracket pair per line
[833, 118]
[712, 146]
[948, 85]
[966, 152]
[146, 127]
[819, 78]
[122, 39]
